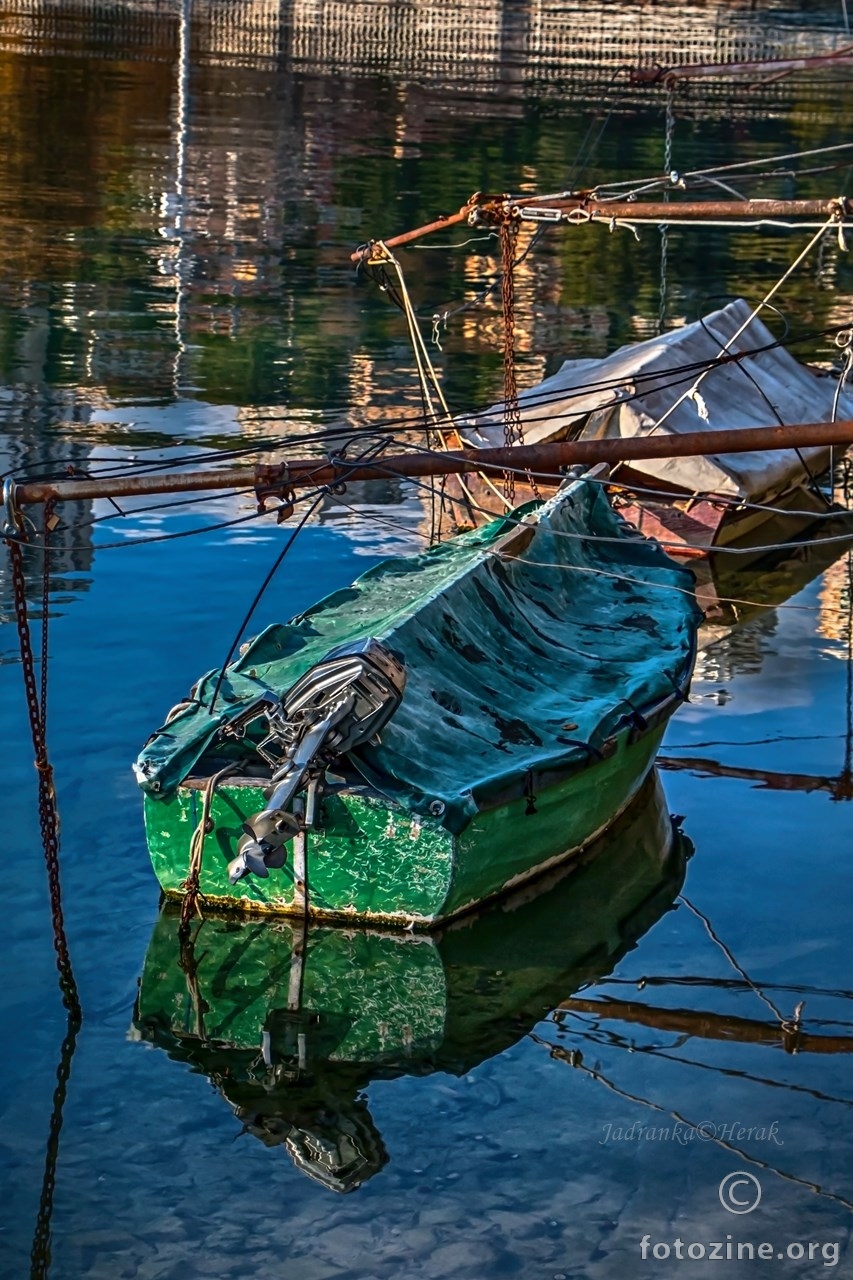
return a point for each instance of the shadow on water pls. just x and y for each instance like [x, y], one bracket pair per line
[291, 1024]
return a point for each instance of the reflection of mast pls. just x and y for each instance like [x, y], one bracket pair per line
[180, 162]
[708, 1026]
[173, 205]
[839, 787]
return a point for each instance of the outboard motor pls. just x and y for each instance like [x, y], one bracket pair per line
[342, 702]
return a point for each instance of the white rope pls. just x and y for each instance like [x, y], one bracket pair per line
[691, 393]
[666, 586]
[427, 374]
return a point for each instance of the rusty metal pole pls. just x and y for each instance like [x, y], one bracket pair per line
[583, 208]
[541, 459]
[652, 210]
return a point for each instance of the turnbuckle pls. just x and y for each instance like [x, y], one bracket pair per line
[537, 213]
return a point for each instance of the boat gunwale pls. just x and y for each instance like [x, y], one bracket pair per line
[499, 791]
[366, 919]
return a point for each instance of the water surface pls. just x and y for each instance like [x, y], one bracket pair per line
[180, 189]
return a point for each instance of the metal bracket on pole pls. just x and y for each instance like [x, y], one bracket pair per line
[274, 481]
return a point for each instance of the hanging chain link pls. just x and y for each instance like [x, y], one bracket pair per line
[669, 129]
[664, 262]
[36, 696]
[513, 433]
[513, 430]
[40, 1251]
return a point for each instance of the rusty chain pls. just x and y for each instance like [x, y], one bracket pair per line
[40, 1251]
[36, 696]
[513, 429]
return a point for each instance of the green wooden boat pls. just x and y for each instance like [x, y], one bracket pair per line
[444, 729]
[292, 1024]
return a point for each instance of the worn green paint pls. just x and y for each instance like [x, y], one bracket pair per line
[366, 858]
[544, 658]
[371, 860]
[341, 1007]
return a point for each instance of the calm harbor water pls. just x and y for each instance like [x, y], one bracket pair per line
[181, 186]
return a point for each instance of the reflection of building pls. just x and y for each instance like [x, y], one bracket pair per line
[495, 43]
[836, 606]
[30, 445]
[457, 44]
[741, 652]
[205, 201]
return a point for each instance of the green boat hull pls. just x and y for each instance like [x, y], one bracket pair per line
[372, 861]
[292, 1024]
[543, 656]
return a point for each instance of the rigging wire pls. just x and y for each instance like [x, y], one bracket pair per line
[738, 968]
[641, 184]
[574, 1058]
[612, 1040]
[406, 424]
[260, 592]
[733, 984]
[165, 506]
[662, 586]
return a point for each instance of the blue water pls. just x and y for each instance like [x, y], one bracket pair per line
[120, 332]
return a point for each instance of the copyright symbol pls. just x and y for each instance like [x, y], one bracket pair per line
[740, 1192]
[706, 1131]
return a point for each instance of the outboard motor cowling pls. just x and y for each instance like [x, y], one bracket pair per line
[338, 704]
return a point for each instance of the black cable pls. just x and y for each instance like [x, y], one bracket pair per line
[405, 424]
[259, 593]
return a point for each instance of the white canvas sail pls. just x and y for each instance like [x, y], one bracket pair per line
[641, 389]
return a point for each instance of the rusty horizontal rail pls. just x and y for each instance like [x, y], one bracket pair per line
[542, 459]
[654, 210]
[583, 208]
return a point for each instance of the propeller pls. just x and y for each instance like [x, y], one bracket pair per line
[262, 847]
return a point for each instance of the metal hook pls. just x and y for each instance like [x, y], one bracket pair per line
[13, 521]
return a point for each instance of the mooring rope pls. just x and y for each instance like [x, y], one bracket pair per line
[428, 378]
[192, 893]
[692, 393]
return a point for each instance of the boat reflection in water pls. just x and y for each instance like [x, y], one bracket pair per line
[292, 1023]
[741, 585]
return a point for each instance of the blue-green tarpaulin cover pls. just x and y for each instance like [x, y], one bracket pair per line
[517, 659]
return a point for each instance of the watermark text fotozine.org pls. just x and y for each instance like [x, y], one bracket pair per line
[739, 1193]
[738, 1250]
